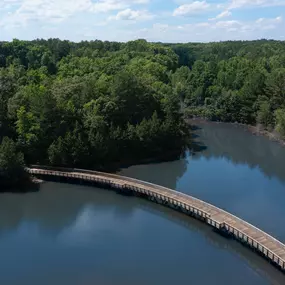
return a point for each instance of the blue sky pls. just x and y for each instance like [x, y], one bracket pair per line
[154, 20]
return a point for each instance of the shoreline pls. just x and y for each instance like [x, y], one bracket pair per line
[255, 130]
[118, 166]
[32, 185]
[262, 132]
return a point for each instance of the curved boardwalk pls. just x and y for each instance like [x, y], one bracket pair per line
[220, 220]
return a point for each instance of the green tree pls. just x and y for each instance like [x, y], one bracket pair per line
[280, 121]
[264, 114]
[275, 87]
[12, 172]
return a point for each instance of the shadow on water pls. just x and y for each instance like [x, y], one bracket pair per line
[237, 144]
[28, 188]
[193, 126]
[164, 173]
[66, 204]
[197, 146]
[55, 208]
[165, 157]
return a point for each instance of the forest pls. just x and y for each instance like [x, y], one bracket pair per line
[95, 104]
[88, 104]
[235, 81]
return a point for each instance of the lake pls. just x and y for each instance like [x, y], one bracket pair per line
[77, 235]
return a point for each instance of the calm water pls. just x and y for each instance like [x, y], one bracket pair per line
[75, 235]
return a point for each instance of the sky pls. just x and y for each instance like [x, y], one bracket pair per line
[153, 20]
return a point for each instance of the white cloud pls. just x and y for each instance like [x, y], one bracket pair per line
[264, 20]
[109, 20]
[132, 15]
[224, 14]
[44, 10]
[227, 24]
[191, 9]
[268, 24]
[214, 31]
[59, 10]
[7, 4]
[111, 5]
[259, 24]
[106, 6]
[251, 3]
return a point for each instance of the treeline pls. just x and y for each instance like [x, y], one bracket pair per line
[241, 81]
[95, 104]
[89, 104]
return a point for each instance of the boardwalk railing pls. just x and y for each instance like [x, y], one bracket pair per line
[224, 222]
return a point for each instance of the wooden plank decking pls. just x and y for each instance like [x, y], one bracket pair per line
[265, 244]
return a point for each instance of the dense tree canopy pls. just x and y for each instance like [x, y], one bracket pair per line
[92, 104]
[89, 104]
[233, 81]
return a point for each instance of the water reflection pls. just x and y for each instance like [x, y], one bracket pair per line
[229, 172]
[238, 145]
[258, 264]
[166, 173]
[53, 209]
[97, 232]
[72, 234]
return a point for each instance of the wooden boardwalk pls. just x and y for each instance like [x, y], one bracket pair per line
[224, 222]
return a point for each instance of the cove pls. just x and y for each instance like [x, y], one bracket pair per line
[79, 235]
